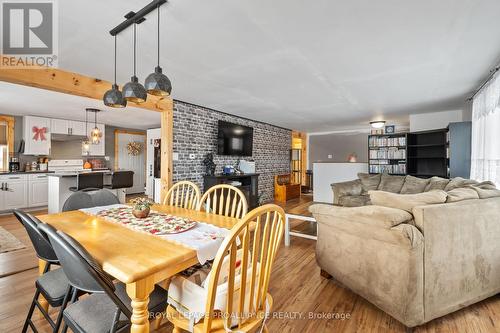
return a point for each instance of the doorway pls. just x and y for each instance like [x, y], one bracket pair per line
[130, 154]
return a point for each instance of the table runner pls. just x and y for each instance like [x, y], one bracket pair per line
[204, 238]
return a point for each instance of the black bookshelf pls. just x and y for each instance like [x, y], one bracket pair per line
[387, 153]
[428, 153]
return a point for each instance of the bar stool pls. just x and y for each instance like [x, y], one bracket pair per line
[91, 180]
[121, 179]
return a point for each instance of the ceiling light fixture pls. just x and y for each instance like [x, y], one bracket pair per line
[86, 140]
[133, 91]
[377, 123]
[114, 97]
[157, 83]
[95, 134]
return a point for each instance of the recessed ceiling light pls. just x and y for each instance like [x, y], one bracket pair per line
[377, 123]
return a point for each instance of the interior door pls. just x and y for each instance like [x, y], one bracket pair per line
[126, 159]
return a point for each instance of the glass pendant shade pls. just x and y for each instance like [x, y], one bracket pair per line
[158, 84]
[134, 92]
[114, 98]
[86, 145]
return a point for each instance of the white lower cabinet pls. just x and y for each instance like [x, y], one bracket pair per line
[38, 189]
[23, 191]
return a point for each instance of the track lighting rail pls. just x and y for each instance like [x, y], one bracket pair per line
[138, 17]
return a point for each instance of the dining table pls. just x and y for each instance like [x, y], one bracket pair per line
[137, 259]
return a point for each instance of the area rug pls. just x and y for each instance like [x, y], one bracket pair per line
[9, 242]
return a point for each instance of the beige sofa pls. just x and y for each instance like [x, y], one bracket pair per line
[415, 266]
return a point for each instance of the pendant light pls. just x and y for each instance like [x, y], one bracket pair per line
[157, 83]
[96, 134]
[134, 91]
[86, 141]
[114, 97]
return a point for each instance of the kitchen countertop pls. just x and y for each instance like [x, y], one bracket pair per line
[75, 173]
[6, 173]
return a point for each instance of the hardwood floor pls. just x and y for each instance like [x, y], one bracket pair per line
[296, 285]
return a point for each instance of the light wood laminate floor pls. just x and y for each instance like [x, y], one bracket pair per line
[297, 288]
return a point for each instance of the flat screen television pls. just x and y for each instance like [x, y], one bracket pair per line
[234, 139]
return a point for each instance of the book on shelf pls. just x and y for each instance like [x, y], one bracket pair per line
[399, 169]
[382, 141]
[388, 153]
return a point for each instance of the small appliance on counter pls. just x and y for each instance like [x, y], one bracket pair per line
[14, 164]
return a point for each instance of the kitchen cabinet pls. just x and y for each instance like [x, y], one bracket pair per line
[38, 190]
[36, 134]
[98, 149]
[13, 192]
[67, 127]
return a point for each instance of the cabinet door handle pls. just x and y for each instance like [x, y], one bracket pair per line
[14, 177]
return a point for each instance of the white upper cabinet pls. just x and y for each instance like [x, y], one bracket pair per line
[77, 127]
[36, 134]
[59, 126]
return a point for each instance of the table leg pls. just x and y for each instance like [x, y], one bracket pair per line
[139, 294]
[287, 231]
[41, 299]
[157, 322]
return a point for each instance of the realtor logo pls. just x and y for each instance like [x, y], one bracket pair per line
[29, 33]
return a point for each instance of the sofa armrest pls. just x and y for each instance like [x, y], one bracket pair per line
[352, 187]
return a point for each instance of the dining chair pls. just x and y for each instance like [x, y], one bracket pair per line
[224, 200]
[104, 198]
[53, 285]
[108, 307]
[184, 194]
[234, 297]
[78, 200]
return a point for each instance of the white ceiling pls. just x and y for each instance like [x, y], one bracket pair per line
[28, 101]
[308, 65]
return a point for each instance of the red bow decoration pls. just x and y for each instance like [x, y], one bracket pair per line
[39, 133]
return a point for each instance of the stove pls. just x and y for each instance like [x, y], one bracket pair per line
[65, 166]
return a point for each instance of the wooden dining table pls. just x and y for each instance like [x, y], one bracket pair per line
[137, 259]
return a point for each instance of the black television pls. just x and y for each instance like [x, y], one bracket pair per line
[234, 139]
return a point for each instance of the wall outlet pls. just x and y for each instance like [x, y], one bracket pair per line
[106, 158]
[192, 156]
[330, 156]
[175, 156]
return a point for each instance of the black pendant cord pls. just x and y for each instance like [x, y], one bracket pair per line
[135, 45]
[115, 60]
[86, 123]
[158, 35]
[95, 119]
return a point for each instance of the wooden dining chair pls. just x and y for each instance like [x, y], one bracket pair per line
[224, 200]
[248, 254]
[184, 194]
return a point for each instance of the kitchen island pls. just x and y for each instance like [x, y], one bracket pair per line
[60, 183]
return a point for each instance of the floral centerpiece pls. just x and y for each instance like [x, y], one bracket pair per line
[141, 207]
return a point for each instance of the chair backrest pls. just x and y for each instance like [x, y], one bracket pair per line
[104, 198]
[89, 180]
[258, 250]
[78, 200]
[81, 269]
[122, 179]
[39, 240]
[184, 194]
[224, 200]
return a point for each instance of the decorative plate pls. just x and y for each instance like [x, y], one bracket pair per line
[156, 223]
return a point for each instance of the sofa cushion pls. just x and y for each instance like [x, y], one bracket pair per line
[374, 215]
[436, 183]
[369, 182]
[461, 193]
[459, 182]
[392, 184]
[354, 200]
[487, 185]
[484, 193]
[406, 201]
[414, 185]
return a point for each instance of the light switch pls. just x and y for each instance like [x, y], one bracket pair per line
[106, 158]
[175, 156]
[330, 156]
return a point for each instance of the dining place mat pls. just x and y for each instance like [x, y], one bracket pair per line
[202, 237]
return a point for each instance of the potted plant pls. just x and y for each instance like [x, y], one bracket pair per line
[141, 207]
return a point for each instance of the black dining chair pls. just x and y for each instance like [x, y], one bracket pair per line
[78, 200]
[90, 180]
[121, 179]
[104, 198]
[52, 284]
[108, 307]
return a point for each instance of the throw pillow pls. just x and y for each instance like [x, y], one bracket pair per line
[461, 193]
[406, 201]
[369, 182]
[392, 184]
[436, 183]
[414, 185]
[485, 193]
[459, 182]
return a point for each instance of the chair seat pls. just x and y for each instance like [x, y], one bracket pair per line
[53, 285]
[95, 313]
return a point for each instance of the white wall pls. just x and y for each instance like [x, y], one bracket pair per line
[434, 120]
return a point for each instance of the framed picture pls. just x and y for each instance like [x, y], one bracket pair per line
[390, 129]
